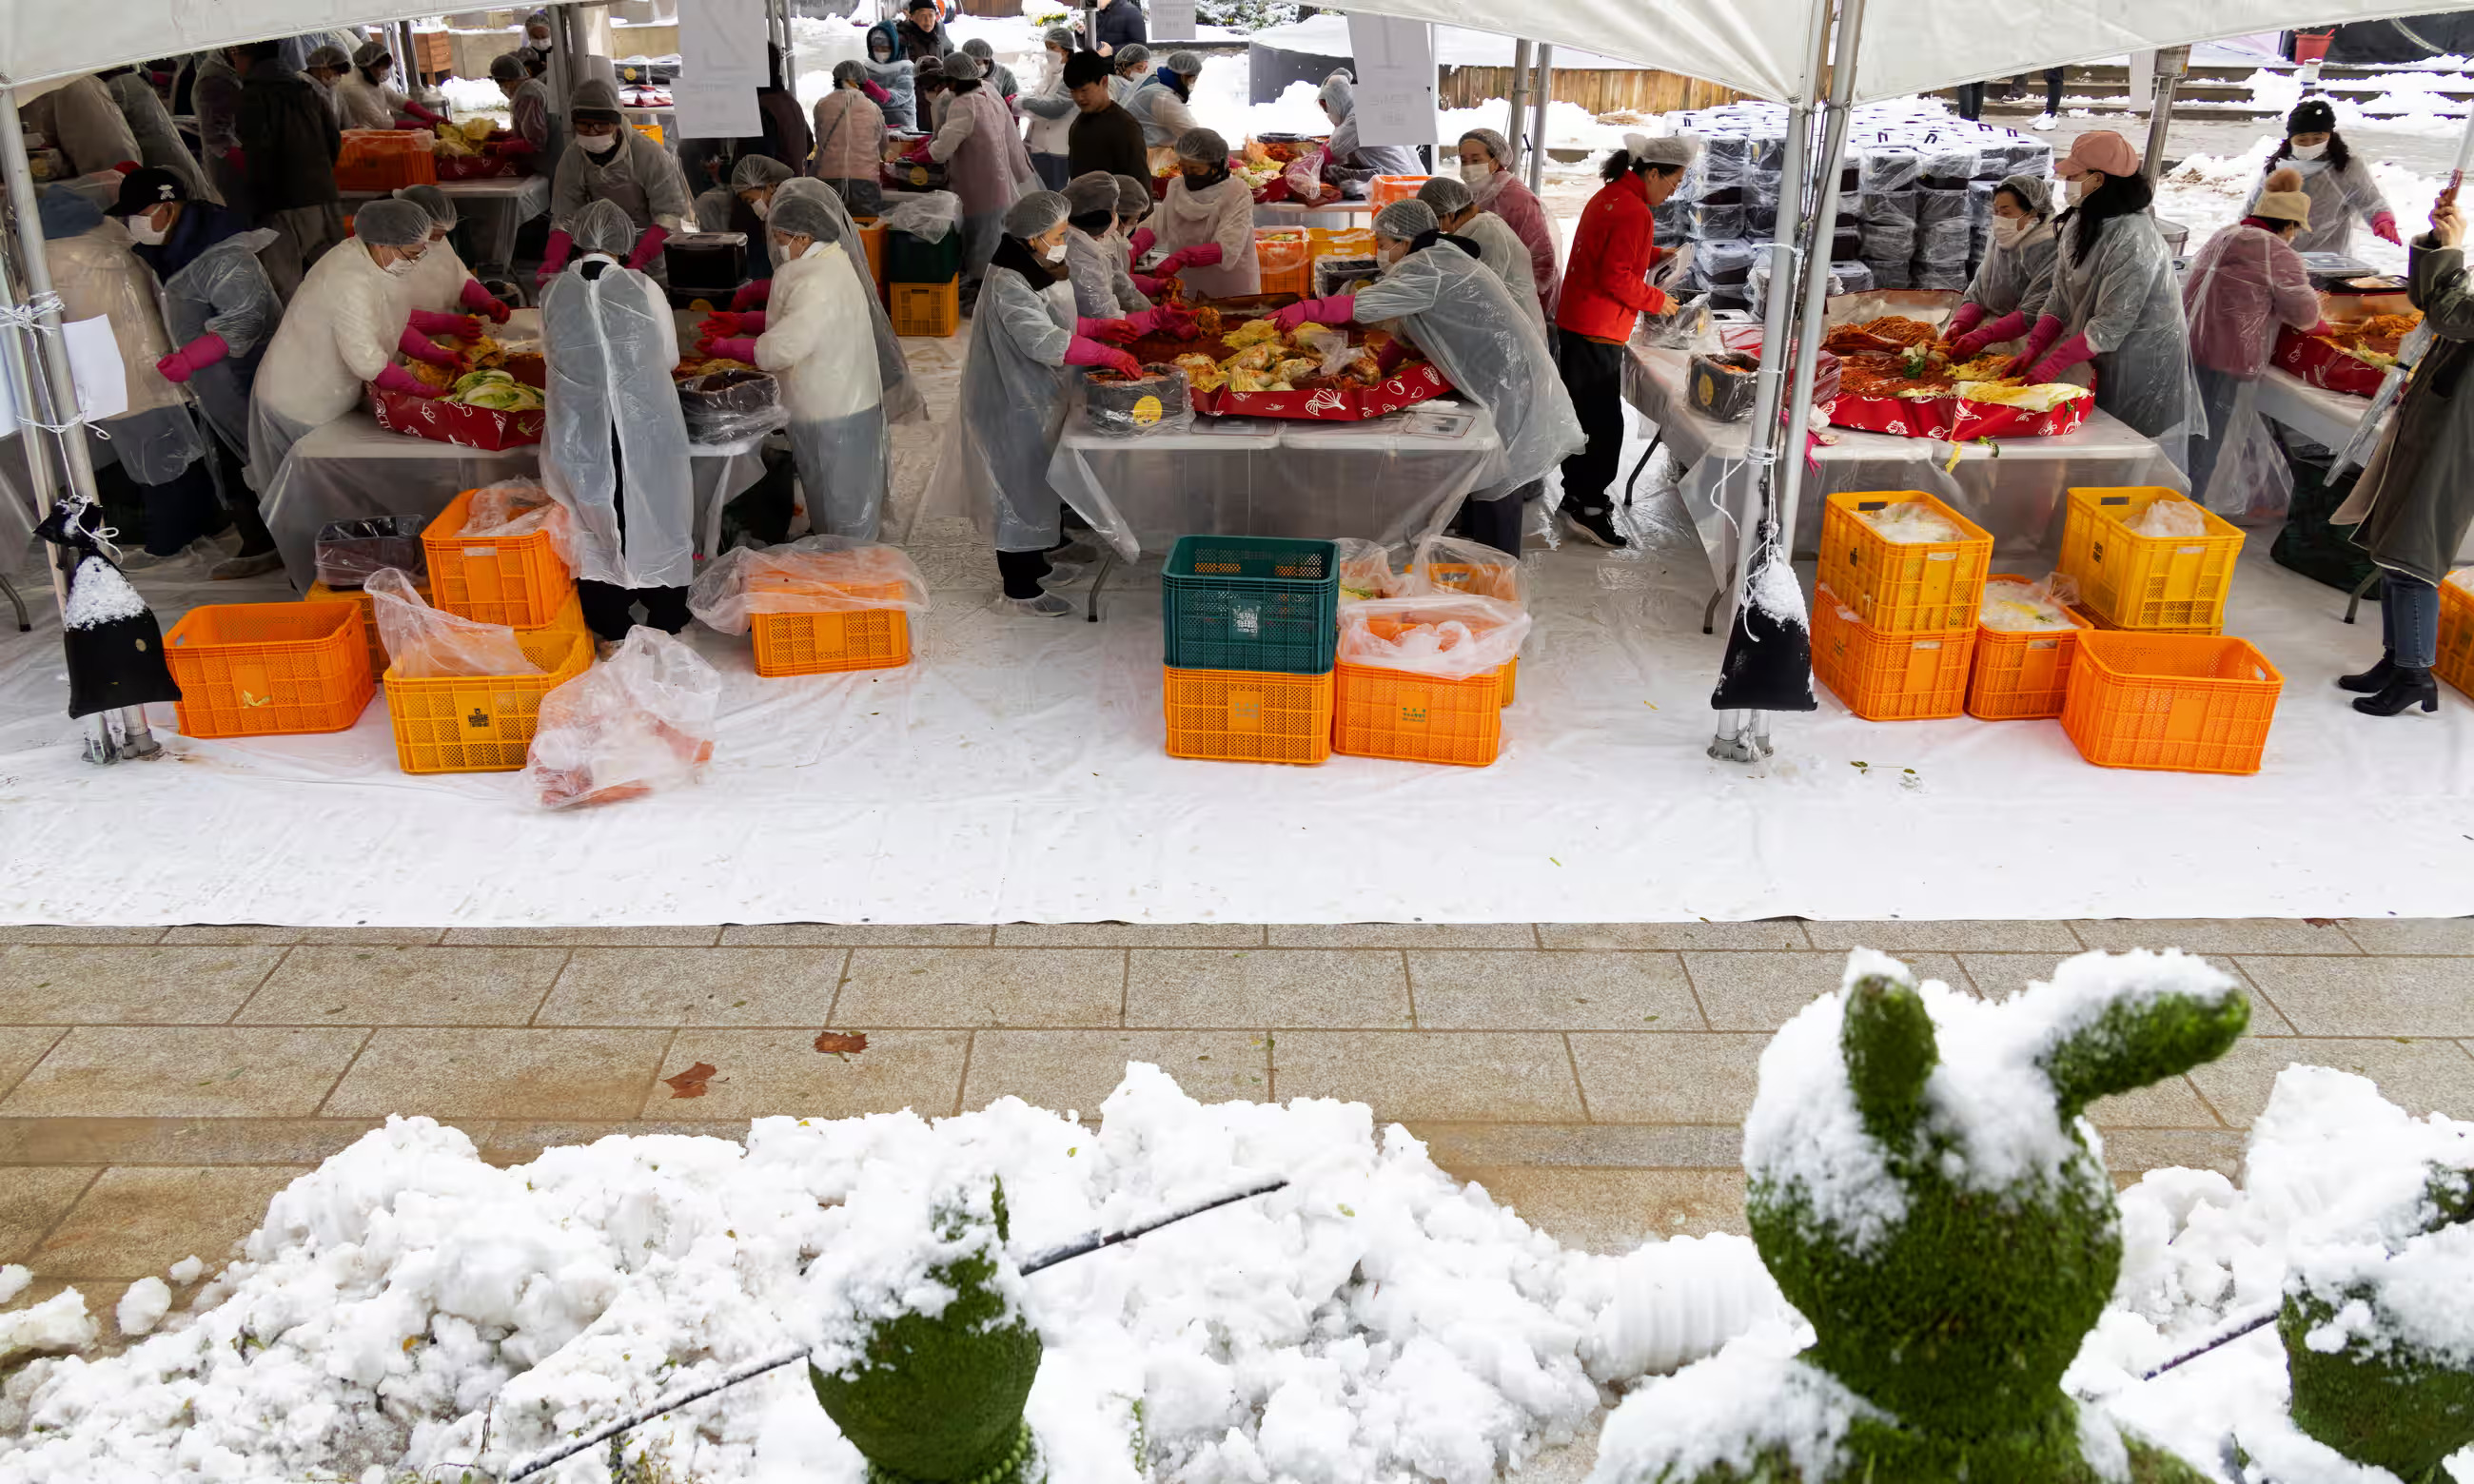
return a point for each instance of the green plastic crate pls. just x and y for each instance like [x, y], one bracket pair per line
[910, 259]
[1251, 603]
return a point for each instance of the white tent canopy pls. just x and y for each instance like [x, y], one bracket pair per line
[39, 45]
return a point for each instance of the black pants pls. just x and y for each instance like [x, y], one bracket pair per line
[1594, 375]
[1022, 571]
[609, 609]
[182, 509]
[1497, 523]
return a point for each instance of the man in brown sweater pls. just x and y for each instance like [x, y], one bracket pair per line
[1104, 136]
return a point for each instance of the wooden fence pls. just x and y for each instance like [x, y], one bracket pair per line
[1611, 90]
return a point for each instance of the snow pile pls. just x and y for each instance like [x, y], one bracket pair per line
[1732, 1409]
[14, 1280]
[143, 1305]
[59, 1321]
[409, 1307]
[99, 595]
[2423, 1287]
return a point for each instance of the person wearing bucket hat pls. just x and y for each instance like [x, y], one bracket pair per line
[2338, 181]
[2244, 285]
[1017, 383]
[1352, 165]
[1050, 108]
[850, 140]
[609, 162]
[1207, 222]
[2017, 274]
[985, 163]
[2115, 307]
[1161, 103]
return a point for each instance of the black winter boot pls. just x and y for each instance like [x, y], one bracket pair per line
[2374, 679]
[2408, 686]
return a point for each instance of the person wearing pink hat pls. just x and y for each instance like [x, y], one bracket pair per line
[2115, 309]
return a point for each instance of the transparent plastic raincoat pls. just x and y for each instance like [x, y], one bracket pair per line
[2242, 287]
[1505, 256]
[438, 280]
[611, 342]
[902, 400]
[87, 126]
[159, 143]
[1103, 288]
[339, 333]
[224, 290]
[96, 276]
[2123, 300]
[2338, 198]
[1015, 389]
[1463, 320]
[815, 345]
[2015, 280]
[638, 177]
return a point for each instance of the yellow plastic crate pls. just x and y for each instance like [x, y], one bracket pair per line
[482, 723]
[2150, 582]
[1903, 587]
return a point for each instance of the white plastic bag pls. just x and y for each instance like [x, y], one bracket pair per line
[1456, 637]
[2174, 519]
[2014, 605]
[423, 643]
[816, 574]
[511, 507]
[1452, 566]
[2252, 483]
[1366, 571]
[641, 722]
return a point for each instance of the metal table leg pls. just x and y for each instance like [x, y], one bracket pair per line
[1710, 610]
[15, 602]
[2355, 603]
[1100, 579]
[1634, 480]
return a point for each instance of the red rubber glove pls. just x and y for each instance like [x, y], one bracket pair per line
[236, 158]
[2385, 226]
[435, 322]
[1966, 317]
[127, 167]
[394, 378]
[724, 324]
[1085, 352]
[421, 348]
[2039, 339]
[875, 95]
[1203, 254]
[195, 356]
[510, 149]
[2323, 328]
[1968, 347]
[1116, 332]
[741, 348]
[647, 245]
[1142, 241]
[1170, 320]
[1388, 359]
[423, 114]
[481, 301]
[2069, 353]
[918, 155]
[1148, 287]
[1339, 309]
[754, 294]
[560, 246]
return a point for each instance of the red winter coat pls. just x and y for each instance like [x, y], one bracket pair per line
[1605, 280]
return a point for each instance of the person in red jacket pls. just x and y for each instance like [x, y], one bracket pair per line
[1606, 287]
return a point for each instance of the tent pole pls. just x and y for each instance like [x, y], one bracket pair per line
[1538, 117]
[2170, 63]
[45, 350]
[1511, 131]
[1825, 224]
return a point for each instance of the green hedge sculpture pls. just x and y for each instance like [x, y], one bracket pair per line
[939, 1398]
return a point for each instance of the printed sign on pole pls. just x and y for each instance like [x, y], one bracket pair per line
[1395, 62]
[1172, 20]
[721, 64]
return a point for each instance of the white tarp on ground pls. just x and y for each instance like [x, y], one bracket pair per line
[1016, 772]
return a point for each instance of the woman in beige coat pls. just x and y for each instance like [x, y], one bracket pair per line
[1208, 224]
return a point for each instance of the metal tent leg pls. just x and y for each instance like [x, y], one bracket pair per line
[1645, 454]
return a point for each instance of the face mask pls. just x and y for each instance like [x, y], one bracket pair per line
[145, 230]
[1055, 254]
[1388, 259]
[403, 267]
[1476, 172]
[2311, 151]
[2007, 231]
[778, 251]
[2081, 185]
[762, 209]
[598, 145]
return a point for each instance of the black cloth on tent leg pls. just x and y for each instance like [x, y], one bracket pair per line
[116, 663]
[1768, 665]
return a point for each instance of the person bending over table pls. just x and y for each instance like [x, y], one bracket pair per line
[446, 296]
[1463, 319]
[1017, 383]
[2415, 498]
[1131, 238]
[2011, 287]
[903, 401]
[740, 207]
[609, 162]
[850, 141]
[1353, 166]
[614, 447]
[528, 138]
[368, 98]
[1498, 247]
[2245, 283]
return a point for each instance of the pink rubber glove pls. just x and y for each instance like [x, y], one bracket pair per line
[1142, 241]
[741, 347]
[436, 321]
[1388, 359]
[423, 114]
[754, 294]
[1968, 347]
[2069, 353]
[726, 323]
[560, 246]
[509, 149]
[2039, 339]
[918, 155]
[1148, 287]
[647, 245]
[875, 95]
[481, 301]
[195, 356]
[1085, 352]
[2385, 226]
[1965, 318]
[421, 348]
[1339, 309]
[1205, 254]
[1170, 320]
[394, 378]
[1116, 332]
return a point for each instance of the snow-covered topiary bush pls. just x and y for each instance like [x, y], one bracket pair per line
[1928, 1197]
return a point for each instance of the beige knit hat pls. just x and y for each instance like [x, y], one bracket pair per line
[2283, 200]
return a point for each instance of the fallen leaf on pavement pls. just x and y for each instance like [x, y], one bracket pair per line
[839, 1042]
[690, 1083]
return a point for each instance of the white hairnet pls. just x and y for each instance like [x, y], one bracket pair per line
[1060, 38]
[597, 94]
[1340, 94]
[1670, 150]
[1495, 144]
[1035, 213]
[505, 67]
[979, 47]
[430, 199]
[604, 227]
[963, 67]
[1086, 194]
[1205, 144]
[802, 214]
[333, 58]
[1134, 56]
[371, 54]
[2034, 192]
[1185, 64]
[903, 402]
[1406, 221]
[1446, 195]
[1134, 197]
[391, 224]
[757, 171]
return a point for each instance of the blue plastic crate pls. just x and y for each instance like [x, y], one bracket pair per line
[1251, 603]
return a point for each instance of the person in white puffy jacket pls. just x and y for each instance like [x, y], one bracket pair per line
[816, 338]
[342, 330]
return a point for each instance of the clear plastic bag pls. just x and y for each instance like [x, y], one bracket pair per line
[1367, 571]
[511, 507]
[423, 643]
[927, 215]
[1160, 400]
[352, 552]
[816, 574]
[638, 723]
[1455, 638]
[2014, 605]
[2174, 519]
[732, 406]
[1455, 567]
[1304, 174]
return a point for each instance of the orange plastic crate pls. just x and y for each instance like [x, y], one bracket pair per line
[385, 160]
[926, 308]
[2021, 676]
[1484, 582]
[871, 237]
[1903, 587]
[876, 638]
[2179, 702]
[1287, 259]
[1888, 676]
[2455, 662]
[2095, 620]
[1418, 718]
[1246, 715]
[1384, 190]
[517, 581]
[269, 669]
[359, 598]
[1340, 242]
[2155, 582]
[482, 723]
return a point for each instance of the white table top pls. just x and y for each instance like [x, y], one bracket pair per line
[2319, 414]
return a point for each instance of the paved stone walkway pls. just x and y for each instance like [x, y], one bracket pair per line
[157, 1087]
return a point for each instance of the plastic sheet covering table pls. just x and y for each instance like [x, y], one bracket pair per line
[352, 468]
[2323, 417]
[17, 514]
[1263, 476]
[493, 208]
[2014, 489]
